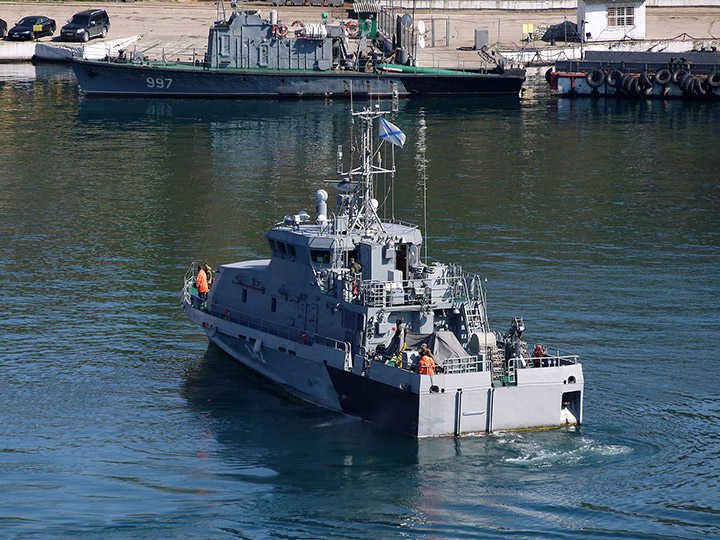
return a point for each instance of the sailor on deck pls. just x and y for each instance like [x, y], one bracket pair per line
[426, 366]
[202, 284]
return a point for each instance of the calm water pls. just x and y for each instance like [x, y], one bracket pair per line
[598, 221]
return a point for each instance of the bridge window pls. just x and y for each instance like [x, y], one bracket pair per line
[320, 256]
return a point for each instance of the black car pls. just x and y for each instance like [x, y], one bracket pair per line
[3, 28]
[85, 25]
[32, 28]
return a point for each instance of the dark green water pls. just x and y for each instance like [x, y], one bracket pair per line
[597, 221]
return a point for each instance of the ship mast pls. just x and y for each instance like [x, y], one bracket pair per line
[362, 210]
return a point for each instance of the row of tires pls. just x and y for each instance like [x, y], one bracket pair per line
[642, 84]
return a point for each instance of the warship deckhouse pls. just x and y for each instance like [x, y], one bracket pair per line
[347, 315]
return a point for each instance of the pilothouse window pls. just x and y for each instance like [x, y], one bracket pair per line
[320, 256]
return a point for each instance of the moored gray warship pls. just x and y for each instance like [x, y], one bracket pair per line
[248, 56]
[347, 315]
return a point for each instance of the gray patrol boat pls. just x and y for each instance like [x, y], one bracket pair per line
[248, 56]
[338, 315]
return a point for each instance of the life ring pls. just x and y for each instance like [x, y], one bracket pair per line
[302, 338]
[663, 77]
[713, 79]
[298, 27]
[354, 288]
[225, 315]
[595, 78]
[281, 30]
[613, 78]
[352, 27]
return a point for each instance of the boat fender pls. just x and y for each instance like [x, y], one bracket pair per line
[613, 78]
[634, 86]
[701, 87]
[687, 85]
[713, 79]
[595, 78]
[257, 345]
[678, 76]
[625, 82]
[297, 27]
[548, 74]
[663, 77]
[352, 27]
[646, 80]
[281, 30]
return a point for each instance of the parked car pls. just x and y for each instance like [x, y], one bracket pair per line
[32, 28]
[85, 25]
[3, 28]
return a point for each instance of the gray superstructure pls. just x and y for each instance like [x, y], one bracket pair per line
[320, 318]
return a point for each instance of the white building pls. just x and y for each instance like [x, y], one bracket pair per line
[611, 20]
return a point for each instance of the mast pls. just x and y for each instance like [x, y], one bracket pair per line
[362, 207]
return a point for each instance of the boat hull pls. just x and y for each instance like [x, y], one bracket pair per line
[102, 78]
[442, 405]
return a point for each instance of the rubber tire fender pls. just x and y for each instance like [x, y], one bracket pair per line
[678, 76]
[701, 87]
[595, 78]
[547, 74]
[713, 79]
[634, 86]
[626, 81]
[686, 84]
[663, 77]
[613, 78]
[646, 79]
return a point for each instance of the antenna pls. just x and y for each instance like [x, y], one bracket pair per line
[424, 177]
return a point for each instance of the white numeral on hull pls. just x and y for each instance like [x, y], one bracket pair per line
[159, 83]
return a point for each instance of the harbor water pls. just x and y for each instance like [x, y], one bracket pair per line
[597, 221]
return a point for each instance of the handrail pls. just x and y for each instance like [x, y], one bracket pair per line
[264, 325]
[551, 361]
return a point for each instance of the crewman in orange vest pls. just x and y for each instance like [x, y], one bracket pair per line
[202, 284]
[426, 366]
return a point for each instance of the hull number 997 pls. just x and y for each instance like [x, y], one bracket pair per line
[159, 83]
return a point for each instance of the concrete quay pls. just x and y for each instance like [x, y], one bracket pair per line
[179, 30]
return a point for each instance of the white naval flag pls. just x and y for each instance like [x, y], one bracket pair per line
[391, 133]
